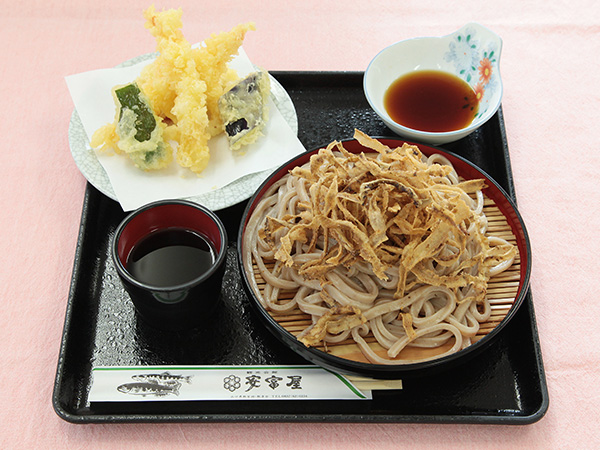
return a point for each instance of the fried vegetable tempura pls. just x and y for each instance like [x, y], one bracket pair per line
[137, 131]
[183, 86]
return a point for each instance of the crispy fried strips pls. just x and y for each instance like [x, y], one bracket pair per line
[389, 245]
[391, 210]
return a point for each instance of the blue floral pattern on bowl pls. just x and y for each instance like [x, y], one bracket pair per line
[475, 62]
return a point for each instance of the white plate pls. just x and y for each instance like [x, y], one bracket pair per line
[235, 192]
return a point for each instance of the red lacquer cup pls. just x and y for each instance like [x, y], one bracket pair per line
[182, 305]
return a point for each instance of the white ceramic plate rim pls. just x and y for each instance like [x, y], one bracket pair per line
[231, 194]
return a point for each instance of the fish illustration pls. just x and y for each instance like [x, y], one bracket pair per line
[163, 378]
[150, 388]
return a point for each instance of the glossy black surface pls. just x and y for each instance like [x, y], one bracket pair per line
[504, 384]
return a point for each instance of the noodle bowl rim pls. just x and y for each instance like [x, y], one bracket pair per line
[464, 168]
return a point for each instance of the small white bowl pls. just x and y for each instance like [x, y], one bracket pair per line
[472, 53]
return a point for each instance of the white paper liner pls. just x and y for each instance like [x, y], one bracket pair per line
[91, 93]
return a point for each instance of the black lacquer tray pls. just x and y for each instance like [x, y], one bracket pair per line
[504, 384]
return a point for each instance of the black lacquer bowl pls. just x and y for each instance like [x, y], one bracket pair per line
[466, 170]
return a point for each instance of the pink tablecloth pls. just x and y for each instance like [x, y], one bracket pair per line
[550, 72]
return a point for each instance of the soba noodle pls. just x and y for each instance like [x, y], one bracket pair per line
[390, 244]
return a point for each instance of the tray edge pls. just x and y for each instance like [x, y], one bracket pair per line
[170, 418]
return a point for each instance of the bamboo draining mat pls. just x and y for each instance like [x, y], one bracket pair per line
[502, 291]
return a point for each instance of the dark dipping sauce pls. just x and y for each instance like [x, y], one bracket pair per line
[431, 100]
[170, 257]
